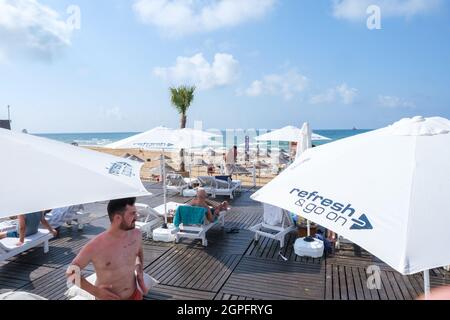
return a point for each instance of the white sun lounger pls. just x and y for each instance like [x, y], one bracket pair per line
[76, 293]
[9, 248]
[216, 187]
[276, 224]
[77, 214]
[151, 219]
[199, 231]
[176, 183]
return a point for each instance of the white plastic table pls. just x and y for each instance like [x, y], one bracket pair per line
[171, 208]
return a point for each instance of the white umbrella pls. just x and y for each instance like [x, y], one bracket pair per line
[39, 174]
[289, 134]
[386, 190]
[304, 143]
[162, 138]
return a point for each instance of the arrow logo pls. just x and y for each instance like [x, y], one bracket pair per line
[362, 223]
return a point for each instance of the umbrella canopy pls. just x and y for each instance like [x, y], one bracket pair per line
[165, 138]
[289, 134]
[162, 138]
[386, 190]
[305, 140]
[40, 174]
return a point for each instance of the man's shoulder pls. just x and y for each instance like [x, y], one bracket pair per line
[136, 233]
[97, 240]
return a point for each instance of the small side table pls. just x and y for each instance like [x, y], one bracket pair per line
[165, 235]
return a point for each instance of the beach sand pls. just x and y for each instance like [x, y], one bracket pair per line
[151, 160]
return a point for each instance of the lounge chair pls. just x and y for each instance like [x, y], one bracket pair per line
[150, 219]
[176, 183]
[76, 293]
[192, 223]
[68, 215]
[9, 248]
[276, 224]
[217, 187]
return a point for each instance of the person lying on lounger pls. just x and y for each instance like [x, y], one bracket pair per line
[117, 256]
[28, 224]
[213, 209]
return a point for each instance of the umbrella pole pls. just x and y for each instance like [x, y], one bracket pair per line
[308, 227]
[426, 283]
[163, 161]
[254, 175]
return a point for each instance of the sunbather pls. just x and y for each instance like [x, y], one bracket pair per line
[213, 209]
[117, 257]
[28, 224]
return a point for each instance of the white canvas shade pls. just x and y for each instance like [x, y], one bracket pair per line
[39, 174]
[386, 190]
[289, 134]
[162, 138]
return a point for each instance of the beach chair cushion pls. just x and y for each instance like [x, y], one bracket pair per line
[57, 217]
[212, 182]
[273, 216]
[76, 293]
[207, 181]
[175, 180]
[189, 215]
[10, 244]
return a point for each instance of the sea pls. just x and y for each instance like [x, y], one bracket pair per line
[103, 138]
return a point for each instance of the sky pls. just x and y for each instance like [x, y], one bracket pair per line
[107, 65]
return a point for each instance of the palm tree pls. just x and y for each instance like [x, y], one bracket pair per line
[181, 99]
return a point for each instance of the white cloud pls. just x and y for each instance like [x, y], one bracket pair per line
[356, 9]
[286, 85]
[112, 113]
[181, 17]
[28, 27]
[340, 94]
[196, 70]
[394, 102]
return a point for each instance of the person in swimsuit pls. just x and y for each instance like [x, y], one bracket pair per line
[117, 256]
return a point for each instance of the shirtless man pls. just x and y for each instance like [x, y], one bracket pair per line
[202, 201]
[117, 256]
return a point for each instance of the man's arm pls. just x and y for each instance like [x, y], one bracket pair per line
[22, 230]
[48, 226]
[140, 268]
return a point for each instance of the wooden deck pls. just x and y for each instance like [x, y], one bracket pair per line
[232, 267]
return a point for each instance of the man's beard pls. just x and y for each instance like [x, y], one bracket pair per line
[125, 227]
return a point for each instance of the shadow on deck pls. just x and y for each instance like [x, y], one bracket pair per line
[232, 267]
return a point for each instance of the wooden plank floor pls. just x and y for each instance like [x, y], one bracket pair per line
[232, 267]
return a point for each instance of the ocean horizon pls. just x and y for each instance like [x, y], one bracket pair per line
[105, 138]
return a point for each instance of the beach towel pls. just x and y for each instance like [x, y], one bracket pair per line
[189, 215]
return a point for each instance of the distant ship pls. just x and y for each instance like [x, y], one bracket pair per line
[354, 128]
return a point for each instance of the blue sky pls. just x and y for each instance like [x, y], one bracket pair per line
[256, 63]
